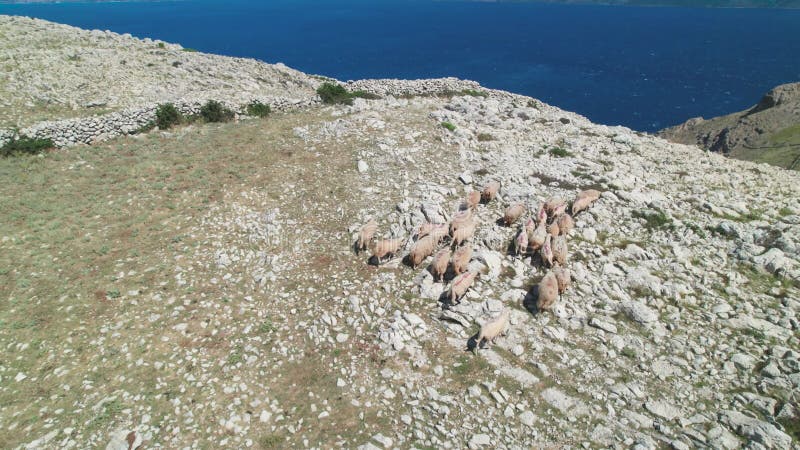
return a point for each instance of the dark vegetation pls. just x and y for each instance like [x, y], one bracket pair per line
[258, 109]
[213, 111]
[335, 94]
[167, 115]
[25, 146]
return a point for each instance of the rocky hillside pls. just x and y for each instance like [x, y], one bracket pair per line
[53, 71]
[768, 132]
[198, 286]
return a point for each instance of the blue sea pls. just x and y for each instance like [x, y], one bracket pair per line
[646, 68]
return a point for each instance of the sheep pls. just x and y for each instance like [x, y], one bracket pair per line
[537, 238]
[548, 292]
[565, 224]
[530, 225]
[460, 219]
[584, 200]
[521, 242]
[492, 329]
[437, 230]
[541, 215]
[552, 204]
[421, 250]
[592, 194]
[473, 198]
[559, 210]
[385, 247]
[546, 252]
[366, 235]
[560, 249]
[490, 191]
[425, 229]
[461, 259]
[460, 285]
[513, 213]
[440, 263]
[553, 229]
[564, 278]
[463, 233]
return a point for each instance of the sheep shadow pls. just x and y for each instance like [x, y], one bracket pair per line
[472, 343]
[531, 299]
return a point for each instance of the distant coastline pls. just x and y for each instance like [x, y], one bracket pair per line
[773, 4]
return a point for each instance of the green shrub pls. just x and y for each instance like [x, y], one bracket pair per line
[559, 152]
[189, 50]
[474, 93]
[258, 109]
[334, 94]
[365, 95]
[167, 115]
[449, 126]
[654, 219]
[213, 111]
[26, 145]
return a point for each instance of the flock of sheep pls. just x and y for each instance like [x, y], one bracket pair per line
[544, 234]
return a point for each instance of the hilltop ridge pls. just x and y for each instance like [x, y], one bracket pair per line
[197, 286]
[767, 132]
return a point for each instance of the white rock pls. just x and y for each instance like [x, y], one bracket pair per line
[480, 440]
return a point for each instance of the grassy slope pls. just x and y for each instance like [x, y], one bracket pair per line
[86, 226]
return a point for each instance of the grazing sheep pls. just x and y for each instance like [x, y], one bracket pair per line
[440, 262]
[548, 292]
[553, 229]
[546, 251]
[437, 230]
[461, 259]
[460, 219]
[490, 191]
[463, 233]
[513, 213]
[537, 238]
[564, 278]
[560, 249]
[565, 224]
[592, 194]
[492, 329]
[425, 229]
[366, 234]
[473, 198]
[584, 200]
[559, 210]
[422, 249]
[385, 247]
[460, 286]
[552, 204]
[521, 242]
[530, 225]
[541, 215]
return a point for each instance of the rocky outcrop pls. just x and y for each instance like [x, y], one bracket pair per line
[767, 132]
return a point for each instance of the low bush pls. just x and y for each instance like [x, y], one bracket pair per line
[26, 145]
[167, 115]
[258, 109]
[449, 126]
[213, 111]
[559, 152]
[334, 94]
[365, 95]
